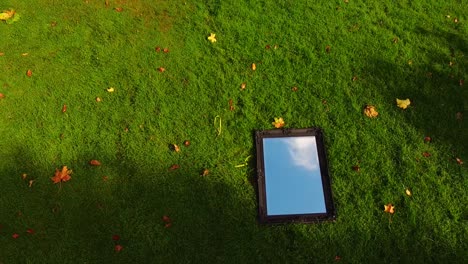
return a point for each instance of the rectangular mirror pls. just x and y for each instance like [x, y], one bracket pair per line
[293, 180]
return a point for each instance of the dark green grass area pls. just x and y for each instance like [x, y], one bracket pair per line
[77, 49]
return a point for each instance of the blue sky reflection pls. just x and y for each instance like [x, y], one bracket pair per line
[293, 182]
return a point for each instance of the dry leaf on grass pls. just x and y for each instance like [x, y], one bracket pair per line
[403, 103]
[254, 66]
[29, 73]
[62, 175]
[370, 111]
[212, 38]
[94, 163]
[278, 123]
[389, 208]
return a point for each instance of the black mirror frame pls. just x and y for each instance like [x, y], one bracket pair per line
[329, 215]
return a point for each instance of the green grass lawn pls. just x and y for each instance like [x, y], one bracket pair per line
[340, 56]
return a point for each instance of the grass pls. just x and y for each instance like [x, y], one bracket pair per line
[396, 49]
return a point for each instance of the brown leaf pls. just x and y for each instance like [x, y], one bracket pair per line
[355, 78]
[186, 143]
[267, 47]
[2, 53]
[158, 49]
[426, 154]
[459, 161]
[459, 116]
[166, 50]
[461, 82]
[31, 183]
[64, 108]
[231, 106]
[62, 176]
[174, 167]
[389, 208]
[166, 219]
[243, 85]
[94, 163]
[29, 73]
[107, 3]
[98, 99]
[24, 176]
[328, 48]
[118, 248]
[205, 172]
[254, 66]
[161, 69]
[427, 139]
[53, 23]
[2, 96]
[356, 168]
[294, 89]
[395, 40]
[119, 9]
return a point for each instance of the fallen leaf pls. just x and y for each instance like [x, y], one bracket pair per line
[7, 14]
[98, 99]
[166, 50]
[451, 63]
[29, 73]
[105, 178]
[2, 53]
[166, 219]
[15, 236]
[275, 46]
[25, 54]
[30, 231]
[94, 163]
[410, 62]
[243, 85]
[168, 225]
[174, 167]
[389, 208]
[403, 103]
[53, 23]
[370, 111]
[2, 96]
[157, 49]
[461, 82]
[119, 9]
[62, 176]
[118, 248]
[107, 3]
[24, 176]
[205, 172]
[161, 69]
[116, 237]
[231, 105]
[294, 89]
[328, 48]
[355, 78]
[64, 108]
[31, 183]
[186, 143]
[459, 161]
[175, 148]
[278, 123]
[459, 116]
[426, 154]
[455, 20]
[427, 139]
[110, 89]
[395, 40]
[254, 67]
[356, 168]
[408, 192]
[267, 47]
[212, 38]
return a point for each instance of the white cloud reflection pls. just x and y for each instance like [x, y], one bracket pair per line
[303, 152]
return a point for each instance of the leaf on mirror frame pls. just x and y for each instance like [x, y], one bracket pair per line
[403, 103]
[389, 208]
[278, 123]
[370, 111]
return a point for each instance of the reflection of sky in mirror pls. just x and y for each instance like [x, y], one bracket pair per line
[292, 176]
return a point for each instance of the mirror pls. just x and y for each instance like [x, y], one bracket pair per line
[293, 179]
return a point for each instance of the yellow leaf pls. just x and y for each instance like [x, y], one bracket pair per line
[279, 122]
[370, 111]
[403, 103]
[7, 14]
[212, 38]
[408, 192]
[110, 89]
[389, 208]
[254, 67]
